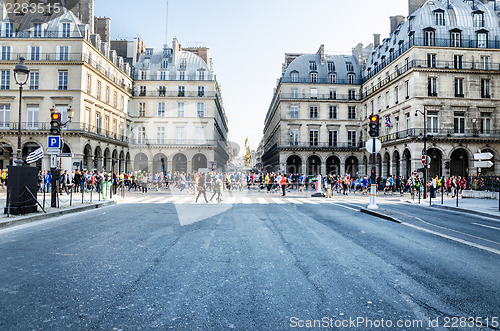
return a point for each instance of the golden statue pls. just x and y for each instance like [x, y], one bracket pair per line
[248, 155]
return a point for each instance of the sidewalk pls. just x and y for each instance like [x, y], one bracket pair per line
[481, 207]
[67, 205]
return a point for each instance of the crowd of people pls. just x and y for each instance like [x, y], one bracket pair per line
[218, 182]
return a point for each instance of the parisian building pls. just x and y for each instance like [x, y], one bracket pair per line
[440, 65]
[73, 63]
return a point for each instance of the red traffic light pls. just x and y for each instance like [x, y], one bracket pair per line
[374, 118]
[55, 116]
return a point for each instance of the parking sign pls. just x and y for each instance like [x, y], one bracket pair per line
[54, 142]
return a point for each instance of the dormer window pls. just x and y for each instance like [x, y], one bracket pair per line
[429, 37]
[9, 30]
[37, 30]
[149, 51]
[349, 67]
[201, 74]
[164, 63]
[332, 78]
[351, 78]
[66, 30]
[183, 64]
[331, 66]
[294, 75]
[312, 66]
[478, 19]
[314, 77]
[439, 16]
[482, 39]
[456, 38]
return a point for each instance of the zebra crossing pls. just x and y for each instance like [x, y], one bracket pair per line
[241, 200]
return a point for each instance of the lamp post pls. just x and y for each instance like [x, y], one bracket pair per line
[424, 151]
[21, 74]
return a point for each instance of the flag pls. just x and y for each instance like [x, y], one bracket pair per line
[388, 123]
[35, 156]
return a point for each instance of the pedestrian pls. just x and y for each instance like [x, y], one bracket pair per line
[201, 188]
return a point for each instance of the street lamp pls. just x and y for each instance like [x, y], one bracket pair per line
[21, 74]
[424, 151]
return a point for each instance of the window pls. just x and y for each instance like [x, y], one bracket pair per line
[87, 119]
[485, 124]
[4, 116]
[142, 109]
[98, 122]
[89, 83]
[183, 64]
[37, 30]
[99, 89]
[331, 66]
[312, 66]
[478, 20]
[482, 40]
[396, 95]
[387, 99]
[9, 29]
[182, 75]
[349, 66]
[485, 63]
[114, 127]
[333, 95]
[180, 109]
[181, 91]
[458, 61]
[200, 109]
[106, 124]
[201, 75]
[122, 103]
[63, 80]
[439, 18]
[333, 112]
[115, 99]
[432, 122]
[459, 87]
[144, 74]
[32, 118]
[314, 93]
[351, 78]
[432, 86]
[164, 63]
[429, 38]
[34, 80]
[142, 91]
[431, 60]
[295, 93]
[314, 77]
[35, 53]
[407, 89]
[351, 138]
[313, 112]
[6, 50]
[294, 76]
[459, 122]
[314, 137]
[179, 134]
[352, 95]
[64, 53]
[456, 39]
[294, 111]
[160, 135]
[107, 94]
[161, 109]
[141, 135]
[66, 30]
[163, 75]
[485, 88]
[332, 138]
[294, 137]
[162, 91]
[332, 78]
[201, 91]
[351, 112]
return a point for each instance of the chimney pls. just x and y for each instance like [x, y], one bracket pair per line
[84, 10]
[413, 5]
[102, 27]
[376, 40]
[396, 21]
[321, 53]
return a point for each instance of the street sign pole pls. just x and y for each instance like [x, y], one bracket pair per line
[373, 188]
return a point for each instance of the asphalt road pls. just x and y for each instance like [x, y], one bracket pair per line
[241, 267]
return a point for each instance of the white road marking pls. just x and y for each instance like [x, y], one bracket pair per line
[487, 226]
[168, 200]
[230, 200]
[246, 201]
[262, 201]
[184, 200]
[278, 201]
[295, 201]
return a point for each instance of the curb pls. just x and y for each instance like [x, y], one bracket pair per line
[380, 215]
[40, 217]
[468, 211]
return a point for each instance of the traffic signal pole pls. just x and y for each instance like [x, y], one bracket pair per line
[373, 187]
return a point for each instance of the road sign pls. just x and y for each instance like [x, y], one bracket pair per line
[483, 156]
[64, 155]
[426, 160]
[53, 161]
[414, 172]
[369, 145]
[53, 151]
[54, 142]
[483, 164]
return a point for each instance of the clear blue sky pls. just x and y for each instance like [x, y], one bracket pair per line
[248, 40]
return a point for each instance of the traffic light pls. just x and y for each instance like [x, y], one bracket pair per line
[55, 124]
[447, 164]
[373, 126]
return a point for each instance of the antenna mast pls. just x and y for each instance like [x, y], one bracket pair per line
[166, 27]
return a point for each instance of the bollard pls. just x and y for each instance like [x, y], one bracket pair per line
[442, 194]
[44, 197]
[90, 195]
[419, 195]
[458, 191]
[430, 195]
[71, 196]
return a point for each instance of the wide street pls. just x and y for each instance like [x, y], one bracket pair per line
[256, 261]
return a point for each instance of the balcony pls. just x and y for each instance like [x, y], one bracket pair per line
[441, 133]
[77, 33]
[174, 94]
[322, 97]
[302, 80]
[326, 146]
[174, 142]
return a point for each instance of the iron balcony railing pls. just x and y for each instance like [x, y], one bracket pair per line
[173, 77]
[174, 142]
[320, 96]
[441, 133]
[308, 80]
[399, 49]
[70, 128]
[77, 33]
[174, 94]
[308, 145]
